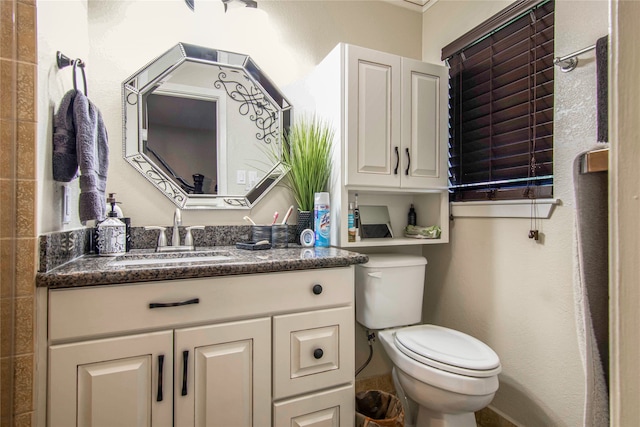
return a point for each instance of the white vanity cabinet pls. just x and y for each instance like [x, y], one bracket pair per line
[116, 381]
[307, 356]
[390, 117]
[226, 351]
[222, 374]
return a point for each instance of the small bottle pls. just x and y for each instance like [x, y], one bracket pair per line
[351, 226]
[322, 220]
[356, 218]
[412, 216]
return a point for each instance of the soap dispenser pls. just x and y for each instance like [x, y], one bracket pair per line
[411, 220]
[112, 232]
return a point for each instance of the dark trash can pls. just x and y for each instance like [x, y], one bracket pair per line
[376, 408]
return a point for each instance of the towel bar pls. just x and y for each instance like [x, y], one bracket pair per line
[595, 161]
[570, 62]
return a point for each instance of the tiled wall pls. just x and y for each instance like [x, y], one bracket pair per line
[18, 241]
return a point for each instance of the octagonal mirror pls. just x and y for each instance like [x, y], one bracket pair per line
[205, 127]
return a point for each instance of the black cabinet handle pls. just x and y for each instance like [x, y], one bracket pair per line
[317, 289]
[318, 353]
[185, 360]
[159, 397]
[395, 170]
[408, 162]
[174, 304]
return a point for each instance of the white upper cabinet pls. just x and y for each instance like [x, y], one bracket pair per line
[390, 117]
[424, 125]
[373, 117]
[396, 116]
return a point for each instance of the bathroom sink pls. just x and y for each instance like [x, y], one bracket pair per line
[170, 258]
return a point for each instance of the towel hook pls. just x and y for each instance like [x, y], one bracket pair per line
[64, 61]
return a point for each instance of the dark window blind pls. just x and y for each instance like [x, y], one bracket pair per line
[501, 109]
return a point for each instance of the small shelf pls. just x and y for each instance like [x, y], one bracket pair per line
[432, 208]
[396, 241]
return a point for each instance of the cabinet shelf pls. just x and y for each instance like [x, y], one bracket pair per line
[396, 241]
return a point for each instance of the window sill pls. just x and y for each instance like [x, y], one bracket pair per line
[503, 209]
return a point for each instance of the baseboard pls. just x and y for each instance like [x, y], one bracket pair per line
[490, 417]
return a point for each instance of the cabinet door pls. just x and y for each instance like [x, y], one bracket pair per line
[424, 125]
[223, 375]
[126, 381]
[333, 408]
[373, 118]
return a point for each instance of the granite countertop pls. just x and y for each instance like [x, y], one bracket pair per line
[91, 270]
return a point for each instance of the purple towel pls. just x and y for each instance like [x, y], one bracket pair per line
[65, 157]
[602, 88]
[93, 157]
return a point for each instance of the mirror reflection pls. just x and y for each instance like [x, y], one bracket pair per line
[203, 125]
[192, 122]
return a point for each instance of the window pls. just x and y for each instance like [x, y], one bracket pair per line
[501, 106]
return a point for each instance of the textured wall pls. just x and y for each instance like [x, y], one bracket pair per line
[495, 283]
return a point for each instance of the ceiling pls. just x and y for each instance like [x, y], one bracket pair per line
[416, 5]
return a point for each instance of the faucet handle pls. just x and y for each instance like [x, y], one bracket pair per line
[188, 239]
[162, 238]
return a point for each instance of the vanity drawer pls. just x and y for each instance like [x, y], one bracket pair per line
[94, 311]
[334, 408]
[312, 350]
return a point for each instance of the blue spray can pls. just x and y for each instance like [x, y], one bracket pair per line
[322, 221]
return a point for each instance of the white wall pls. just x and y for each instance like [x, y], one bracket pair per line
[116, 38]
[495, 283]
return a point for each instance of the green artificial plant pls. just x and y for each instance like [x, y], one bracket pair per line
[307, 154]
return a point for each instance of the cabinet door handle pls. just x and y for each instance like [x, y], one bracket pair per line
[408, 162]
[174, 304]
[318, 353]
[185, 369]
[317, 289]
[395, 170]
[159, 396]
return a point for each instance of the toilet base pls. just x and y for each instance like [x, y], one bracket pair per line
[437, 407]
[428, 418]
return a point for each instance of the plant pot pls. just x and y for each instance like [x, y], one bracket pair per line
[305, 220]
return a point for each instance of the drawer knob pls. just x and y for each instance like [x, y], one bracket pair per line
[317, 289]
[318, 353]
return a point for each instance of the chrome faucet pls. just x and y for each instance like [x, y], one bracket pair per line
[175, 236]
[177, 222]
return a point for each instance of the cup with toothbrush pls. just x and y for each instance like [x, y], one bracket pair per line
[280, 232]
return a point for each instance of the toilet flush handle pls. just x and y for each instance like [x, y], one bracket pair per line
[376, 274]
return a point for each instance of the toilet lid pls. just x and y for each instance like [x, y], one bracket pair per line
[448, 349]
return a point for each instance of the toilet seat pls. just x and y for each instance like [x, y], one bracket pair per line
[447, 349]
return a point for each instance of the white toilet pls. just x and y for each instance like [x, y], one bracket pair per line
[447, 373]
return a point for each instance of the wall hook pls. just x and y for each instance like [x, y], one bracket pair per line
[64, 61]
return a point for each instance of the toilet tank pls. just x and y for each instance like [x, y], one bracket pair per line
[389, 290]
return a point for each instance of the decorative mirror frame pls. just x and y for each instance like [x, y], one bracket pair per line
[255, 96]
